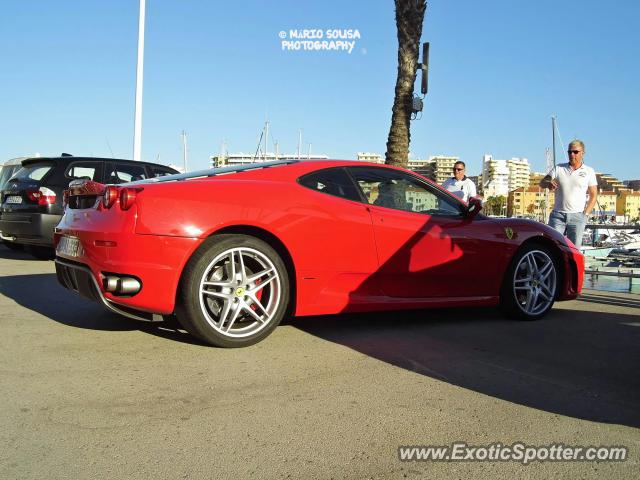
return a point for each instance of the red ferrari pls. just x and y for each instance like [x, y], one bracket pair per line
[231, 251]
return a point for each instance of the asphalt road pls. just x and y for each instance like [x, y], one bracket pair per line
[85, 393]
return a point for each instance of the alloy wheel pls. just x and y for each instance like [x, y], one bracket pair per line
[534, 282]
[240, 292]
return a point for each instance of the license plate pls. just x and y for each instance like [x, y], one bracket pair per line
[13, 199]
[69, 246]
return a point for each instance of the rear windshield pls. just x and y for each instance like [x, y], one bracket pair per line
[7, 172]
[34, 171]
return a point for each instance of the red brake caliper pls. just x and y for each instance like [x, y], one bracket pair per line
[258, 295]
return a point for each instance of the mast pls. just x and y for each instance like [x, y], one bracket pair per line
[184, 151]
[553, 135]
[222, 158]
[546, 190]
[266, 139]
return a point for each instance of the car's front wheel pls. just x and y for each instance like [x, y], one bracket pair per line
[530, 284]
[234, 291]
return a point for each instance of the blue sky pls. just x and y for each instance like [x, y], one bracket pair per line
[499, 71]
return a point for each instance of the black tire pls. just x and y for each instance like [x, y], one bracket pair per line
[42, 253]
[237, 306]
[530, 284]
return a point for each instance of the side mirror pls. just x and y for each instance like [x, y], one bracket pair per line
[474, 207]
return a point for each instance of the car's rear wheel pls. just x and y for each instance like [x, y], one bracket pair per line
[234, 291]
[530, 284]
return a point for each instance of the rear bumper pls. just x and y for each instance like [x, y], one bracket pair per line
[78, 278]
[29, 228]
[157, 261]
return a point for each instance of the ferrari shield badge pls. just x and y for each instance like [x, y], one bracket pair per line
[508, 231]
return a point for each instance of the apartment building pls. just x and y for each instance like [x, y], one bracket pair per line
[606, 204]
[499, 177]
[370, 157]
[246, 158]
[528, 201]
[443, 167]
[628, 204]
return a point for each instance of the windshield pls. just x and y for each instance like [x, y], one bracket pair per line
[6, 172]
[34, 171]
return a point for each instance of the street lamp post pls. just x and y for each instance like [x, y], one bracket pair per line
[137, 126]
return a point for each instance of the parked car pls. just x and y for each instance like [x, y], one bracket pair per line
[31, 200]
[7, 169]
[230, 251]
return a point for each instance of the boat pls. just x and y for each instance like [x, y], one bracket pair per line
[596, 252]
[627, 240]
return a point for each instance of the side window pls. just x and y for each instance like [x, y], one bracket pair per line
[333, 181]
[36, 172]
[119, 173]
[400, 191]
[90, 170]
[161, 172]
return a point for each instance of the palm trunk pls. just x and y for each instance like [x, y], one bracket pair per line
[409, 19]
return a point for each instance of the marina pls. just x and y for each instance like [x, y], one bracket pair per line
[612, 280]
[613, 261]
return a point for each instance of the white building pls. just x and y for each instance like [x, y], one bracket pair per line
[413, 164]
[519, 173]
[420, 164]
[246, 158]
[443, 167]
[370, 157]
[499, 177]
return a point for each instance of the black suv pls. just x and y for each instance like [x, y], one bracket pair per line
[31, 201]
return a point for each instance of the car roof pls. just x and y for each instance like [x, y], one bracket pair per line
[70, 158]
[14, 161]
[293, 169]
[307, 166]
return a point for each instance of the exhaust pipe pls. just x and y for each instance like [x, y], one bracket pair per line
[121, 285]
[8, 238]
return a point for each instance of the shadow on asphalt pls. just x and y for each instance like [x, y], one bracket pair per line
[632, 301]
[575, 363]
[21, 254]
[43, 294]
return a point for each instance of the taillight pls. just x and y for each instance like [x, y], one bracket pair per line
[128, 197]
[43, 195]
[110, 196]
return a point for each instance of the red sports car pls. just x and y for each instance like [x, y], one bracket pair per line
[231, 251]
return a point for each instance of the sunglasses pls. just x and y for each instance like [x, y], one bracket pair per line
[458, 169]
[575, 152]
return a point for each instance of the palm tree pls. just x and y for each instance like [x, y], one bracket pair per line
[496, 205]
[543, 210]
[409, 18]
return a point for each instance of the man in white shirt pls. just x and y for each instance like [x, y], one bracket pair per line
[572, 182]
[459, 184]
